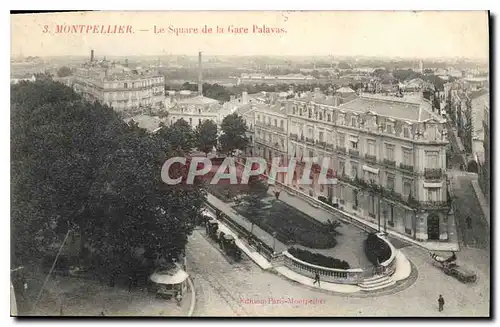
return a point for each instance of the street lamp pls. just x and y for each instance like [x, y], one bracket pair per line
[274, 242]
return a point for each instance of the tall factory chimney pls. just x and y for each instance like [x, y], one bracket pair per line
[91, 55]
[200, 75]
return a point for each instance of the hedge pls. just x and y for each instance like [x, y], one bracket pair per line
[376, 250]
[318, 259]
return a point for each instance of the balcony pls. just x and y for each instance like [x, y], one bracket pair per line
[341, 149]
[390, 163]
[433, 173]
[330, 147]
[321, 144]
[310, 140]
[294, 137]
[406, 167]
[354, 152]
[434, 204]
[371, 158]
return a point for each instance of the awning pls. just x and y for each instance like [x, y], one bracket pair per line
[433, 185]
[370, 169]
[169, 277]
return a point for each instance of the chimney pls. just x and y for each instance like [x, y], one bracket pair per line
[91, 55]
[126, 62]
[200, 75]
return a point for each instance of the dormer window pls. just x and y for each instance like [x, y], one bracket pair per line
[341, 119]
[388, 128]
[406, 132]
[353, 121]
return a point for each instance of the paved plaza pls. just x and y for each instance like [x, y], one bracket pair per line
[243, 289]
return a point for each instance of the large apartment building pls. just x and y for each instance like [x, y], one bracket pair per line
[388, 155]
[125, 90]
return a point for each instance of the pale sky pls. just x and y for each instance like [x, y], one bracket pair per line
[340, 33]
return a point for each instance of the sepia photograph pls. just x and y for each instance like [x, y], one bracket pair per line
[250, 164]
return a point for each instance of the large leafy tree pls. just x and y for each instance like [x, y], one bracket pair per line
[234, 134]
[78, 165]
[253, 199]
[178, 138]
[206, 136]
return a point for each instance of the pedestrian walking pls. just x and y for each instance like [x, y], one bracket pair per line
[317, 280]
[178, 297]
[130, 283]
[441, 303]
[468, 222]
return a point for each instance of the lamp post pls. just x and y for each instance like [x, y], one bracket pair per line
[274, 242]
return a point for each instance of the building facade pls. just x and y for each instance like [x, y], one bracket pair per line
[388, 154]
[195, 110]
[126, 91]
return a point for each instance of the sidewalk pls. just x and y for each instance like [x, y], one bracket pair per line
[482, 201]
[79, 297]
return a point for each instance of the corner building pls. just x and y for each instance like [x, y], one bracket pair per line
[388, 154]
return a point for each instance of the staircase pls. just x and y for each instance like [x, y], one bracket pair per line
[376, 283]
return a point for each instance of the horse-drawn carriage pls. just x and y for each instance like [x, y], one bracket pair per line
[228, 245]
[451, 268]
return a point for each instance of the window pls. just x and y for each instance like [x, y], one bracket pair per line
[434, 194]
[199, 121]
[321, 136]
[310, 113]
[354, 169]
[407, 157]
[294, 110]
[353, 121]
[275, 122]
[355, 196]
[322, 188]
[431, 158]
[269, 120]
[190, 121]
[341, 167]
[341, 193]
[329, 117]
[282, 123]
[371, 177]
[311, 153]
[371, 147]
[354, 144]
[310, 132]
[389, 152]
[125, 85]
[406, 132]
[341, 140]
[258, 117]
[407, 187]
[282, 143]
[390, 181]
[389, 128]
[341, 119]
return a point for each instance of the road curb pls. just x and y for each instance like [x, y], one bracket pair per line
[193, 297]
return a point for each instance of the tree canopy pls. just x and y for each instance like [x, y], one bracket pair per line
[178, 138]
[64, 71]
[206, 136]
[78, 164]
[234, 134]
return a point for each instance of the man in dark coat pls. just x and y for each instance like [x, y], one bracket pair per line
[441, 303]
[316, 280]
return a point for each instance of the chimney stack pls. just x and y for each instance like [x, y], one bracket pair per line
[91, 55]
[200, 75]
[126, 62]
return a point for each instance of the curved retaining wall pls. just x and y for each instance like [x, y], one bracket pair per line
[389, 265]
[332, 275]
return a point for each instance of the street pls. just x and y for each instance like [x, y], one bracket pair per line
[243, 289]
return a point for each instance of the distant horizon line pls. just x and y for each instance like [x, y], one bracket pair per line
[256, 55]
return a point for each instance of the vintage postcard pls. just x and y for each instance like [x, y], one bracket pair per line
[247, 164]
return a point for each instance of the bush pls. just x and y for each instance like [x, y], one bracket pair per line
[376, 250]
[318, 259]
